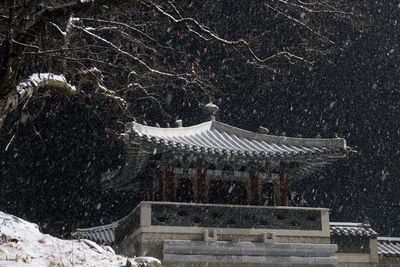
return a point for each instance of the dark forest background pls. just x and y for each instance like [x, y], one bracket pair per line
[50, 170]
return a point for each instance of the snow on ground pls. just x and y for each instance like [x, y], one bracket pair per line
[23, 245]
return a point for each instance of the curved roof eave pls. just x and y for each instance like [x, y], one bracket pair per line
[338, 143]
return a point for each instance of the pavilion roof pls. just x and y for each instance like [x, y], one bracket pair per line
[219, 140]
[216, 137]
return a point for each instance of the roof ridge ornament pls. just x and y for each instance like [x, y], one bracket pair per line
[211, 111]
[179, 123]
[263, 130]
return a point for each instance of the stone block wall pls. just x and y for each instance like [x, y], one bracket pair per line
[352, 244]
[246, 217]
[145, 229]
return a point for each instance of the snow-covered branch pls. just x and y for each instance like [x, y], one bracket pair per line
[119, 50]
[96, 76]
[26, 88]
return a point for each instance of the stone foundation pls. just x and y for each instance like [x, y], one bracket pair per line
[227, 235]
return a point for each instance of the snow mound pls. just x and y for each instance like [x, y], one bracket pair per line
[23, 245]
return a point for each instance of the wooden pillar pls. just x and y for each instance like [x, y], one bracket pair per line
[194, 187]
[201, 185]
[168, 184]
[247, 185]
[147, 188]
[175, 184]
[254, 189]
[277, 192]
[147, 196]
[161, 187]
[283, 181]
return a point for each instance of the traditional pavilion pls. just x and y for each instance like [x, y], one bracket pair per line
[216, 195]
[217, 163]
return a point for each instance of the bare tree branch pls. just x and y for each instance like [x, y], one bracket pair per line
[240, 45]
[133, 45]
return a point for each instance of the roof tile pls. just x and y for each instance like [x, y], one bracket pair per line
[216, 137]
[352, 229]
[389, 246]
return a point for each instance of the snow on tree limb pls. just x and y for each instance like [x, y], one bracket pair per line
[27, 87]
[141, 62]
[94, 74]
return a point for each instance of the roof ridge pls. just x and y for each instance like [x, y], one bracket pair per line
[100, 227]
[388, 238]
[349, 224]
[178, 131]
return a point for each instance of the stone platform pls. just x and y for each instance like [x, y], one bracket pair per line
[188, 234]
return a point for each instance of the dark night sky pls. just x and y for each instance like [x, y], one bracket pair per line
[356, 96]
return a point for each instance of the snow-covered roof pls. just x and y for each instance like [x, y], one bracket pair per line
[220, 138]
[352, 229]
[389, 246]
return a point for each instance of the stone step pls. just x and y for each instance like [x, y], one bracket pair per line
[286, 261]
[220, 248]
